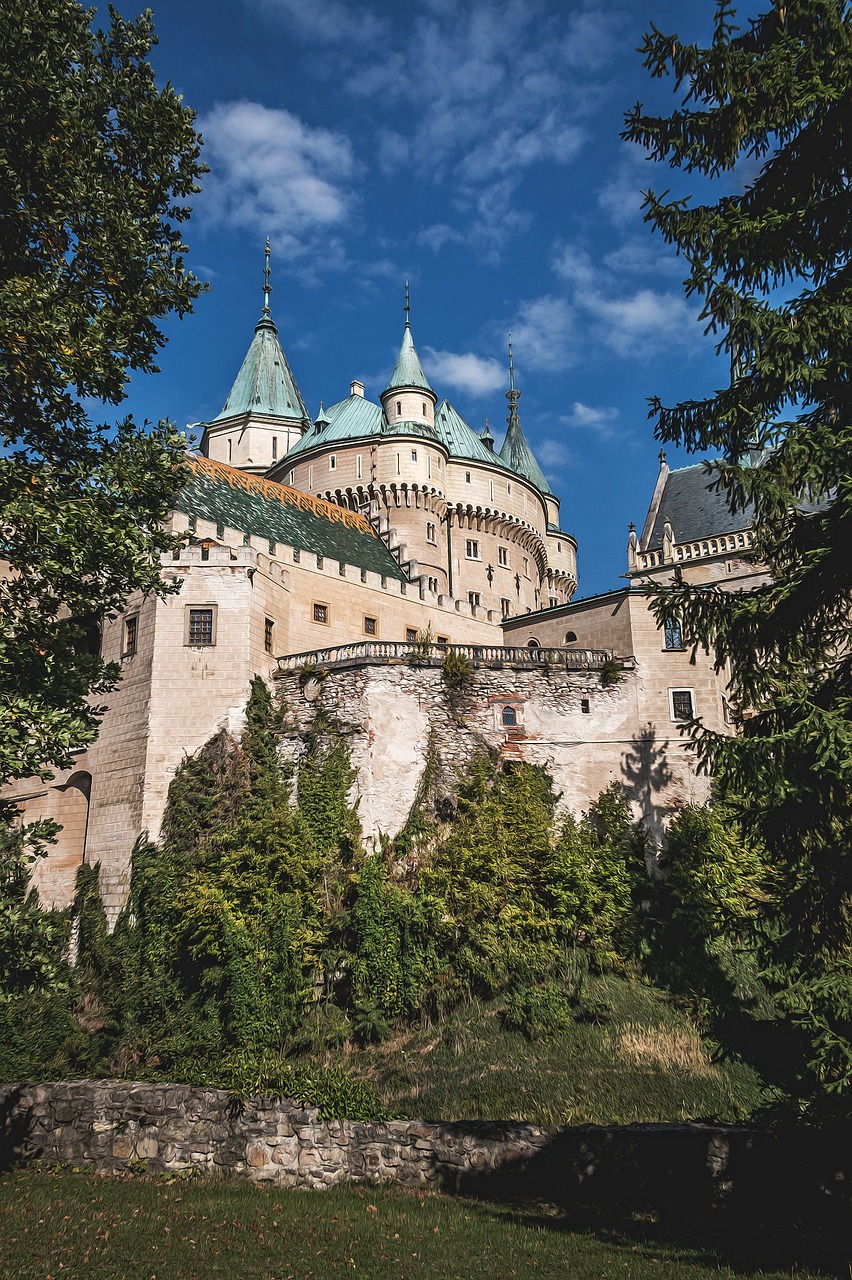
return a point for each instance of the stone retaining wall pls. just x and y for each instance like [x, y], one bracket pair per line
[114, 1126]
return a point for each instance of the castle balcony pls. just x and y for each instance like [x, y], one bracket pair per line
[423, 653]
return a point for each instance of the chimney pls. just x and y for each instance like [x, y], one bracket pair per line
[356, 388]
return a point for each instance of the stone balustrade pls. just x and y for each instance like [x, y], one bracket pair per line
[479, 655]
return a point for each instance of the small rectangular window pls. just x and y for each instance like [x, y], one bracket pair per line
[503, 557]
[413, 455]
[472, 549]
[430, 531]
[200, 625]
[320, 562]
[371, 626]
[473, 598]
[358, 467]
[553, 602]
[585, 706]
[274, 447]
[268, 632]
[131, 636]
[428, 468]
[321, 613]
[332, 463]
[310, 477]
[341, 569]
[297, 555]
[292, 477]
[399, 408]
[410, 635]
[673, 635]
[681, 704]
[509, 489]
[505, 607]
[442, 641]
[467, 477]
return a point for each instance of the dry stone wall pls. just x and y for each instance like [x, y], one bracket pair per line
[118, 1126]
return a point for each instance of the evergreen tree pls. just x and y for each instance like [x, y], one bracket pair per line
[772, 266]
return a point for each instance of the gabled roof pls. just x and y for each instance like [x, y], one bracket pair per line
[696, 511]
[517, 454]
[408, 371]
[265, 382]
[264, 509]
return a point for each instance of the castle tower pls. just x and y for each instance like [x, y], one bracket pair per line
[408, 398]
[264, 414]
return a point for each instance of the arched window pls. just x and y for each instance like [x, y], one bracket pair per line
[510, 718]
[532, 643]
[571, 637]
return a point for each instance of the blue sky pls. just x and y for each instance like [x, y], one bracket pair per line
[474, 147]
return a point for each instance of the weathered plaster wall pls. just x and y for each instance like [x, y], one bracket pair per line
[394, 713]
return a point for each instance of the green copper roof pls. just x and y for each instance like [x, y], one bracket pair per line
[461, 441]
[265, 383]
[517, 454]
[225, 495]
[352, 419]
[408, 371]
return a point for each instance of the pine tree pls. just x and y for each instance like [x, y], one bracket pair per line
[772, 266]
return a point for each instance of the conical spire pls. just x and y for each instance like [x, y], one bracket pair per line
[515, 452]
[408, 371]
[265, 382]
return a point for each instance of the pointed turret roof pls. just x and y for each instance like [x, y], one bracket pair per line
[516, 452]
[408, 371]
[265, 382]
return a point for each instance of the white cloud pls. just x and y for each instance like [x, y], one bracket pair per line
[439, 234]
[543, 334]
[590, 417]
[573, 263]
[475, 375]
[621, 197]
[553, 454]
[645, 321]
[645, 255]
[272, 174]
[328, 21]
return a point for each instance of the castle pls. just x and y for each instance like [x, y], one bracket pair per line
[341, 559]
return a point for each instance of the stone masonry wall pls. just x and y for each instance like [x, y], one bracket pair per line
[116, 1126]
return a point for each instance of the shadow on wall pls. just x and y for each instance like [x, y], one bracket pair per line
[645, 776]
[748, 1199]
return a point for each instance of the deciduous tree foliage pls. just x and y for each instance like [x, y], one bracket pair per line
[95, 165]
[772, 267]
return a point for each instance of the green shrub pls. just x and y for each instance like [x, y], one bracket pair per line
[539, 1013]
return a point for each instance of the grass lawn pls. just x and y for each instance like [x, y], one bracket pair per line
[65, 1226]
[644, 1062]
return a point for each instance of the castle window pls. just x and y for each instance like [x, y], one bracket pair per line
[131, 637]
[413, 455]
[363, 575]
[200, 625]
[230, 450]
[358, 467]
[474, 599]
[332, 463]
[268, 632]
[274, 447]
[320, 562]
[570, 637]
[310, 477]
[672, 633]
[509, 489]
[491, 490]
[371, 626]
[341, 568]
[467, 477]
[272, 546]
[399, 464]
[503, 557]
[292, 477]
[505, 607]
[297, 555]
[472, 549]
[680, 703]
[442, 641]
[526, 566]
[553, 602]
[509, 717]
[220, 530]
[430, 532]
[429, 468]
[532, 643]
[410, 635]
[585, 706]
[321, 614]
[398, 408]
[424, 408]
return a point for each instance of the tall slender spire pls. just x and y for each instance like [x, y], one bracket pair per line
[516, 451]
[407, 307]
[267, 287]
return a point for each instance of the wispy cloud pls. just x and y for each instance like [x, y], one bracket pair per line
[544, 334]
[598, 418]
[474, 375]
[270, 173]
